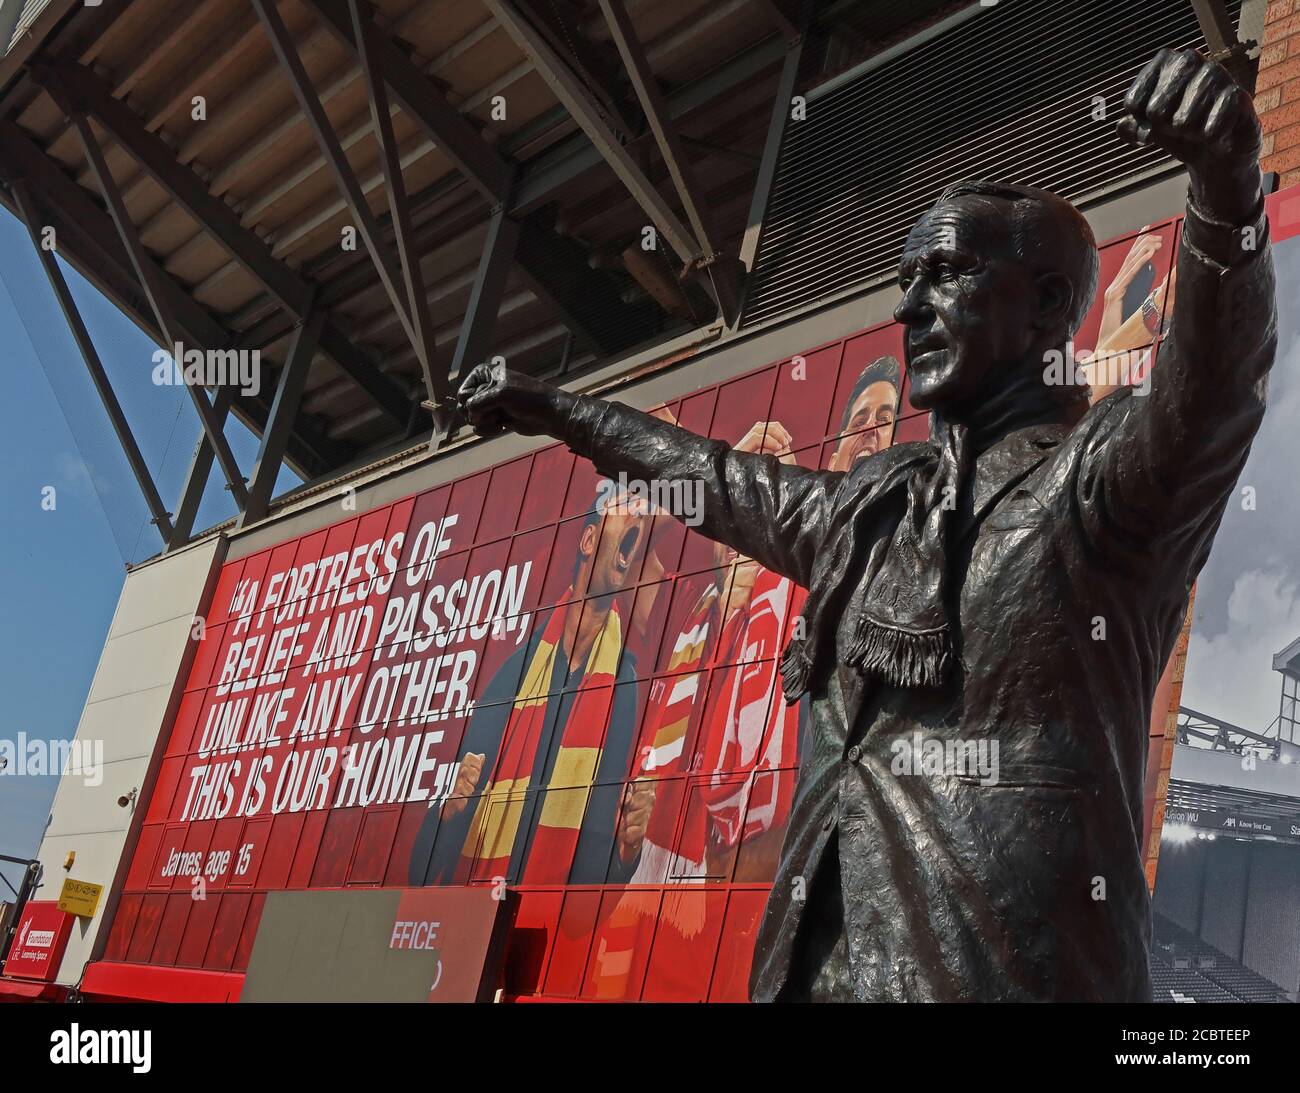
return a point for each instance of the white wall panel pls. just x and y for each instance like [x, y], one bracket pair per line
[133, 696]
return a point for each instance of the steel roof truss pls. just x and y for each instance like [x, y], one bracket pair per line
[27, 207]
[147, 272]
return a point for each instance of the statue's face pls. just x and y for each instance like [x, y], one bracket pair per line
[970, 306]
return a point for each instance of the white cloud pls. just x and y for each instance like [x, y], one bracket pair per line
[78, 474]
[1230, 675]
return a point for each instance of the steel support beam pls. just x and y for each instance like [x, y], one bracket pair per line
[784, 16]
[77, 216]
[562, 27]
[408, 256]
[651, 98]
[85, 91]
[721, 277]
[492, 173]
[125, 437]
[558, 271]
[367, 226]
[540, 181]
[196, 478]
[145, 271]
[771, 154]
[1221, 37]
[89, 241]
[284, 410]
[767, 166]
[1216, 24]
[434, 238]
[485, 296]
[584, 110]
[426, 105]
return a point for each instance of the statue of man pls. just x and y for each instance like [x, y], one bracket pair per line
[1009, 589]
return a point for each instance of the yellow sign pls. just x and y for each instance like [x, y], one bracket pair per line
[80, 897]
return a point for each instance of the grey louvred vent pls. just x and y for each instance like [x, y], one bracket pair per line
[1007, 95]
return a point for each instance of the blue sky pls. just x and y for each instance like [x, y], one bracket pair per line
[63, 567]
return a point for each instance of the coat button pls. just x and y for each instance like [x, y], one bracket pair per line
[855, 753]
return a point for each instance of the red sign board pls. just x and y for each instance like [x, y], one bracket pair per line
[43, 932]
[462, 926]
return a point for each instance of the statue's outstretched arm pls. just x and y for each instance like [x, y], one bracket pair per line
[767, 510]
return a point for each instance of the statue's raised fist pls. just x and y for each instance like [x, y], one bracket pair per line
[495, 399]
[1190, 106]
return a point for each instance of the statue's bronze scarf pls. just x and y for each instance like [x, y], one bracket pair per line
[885, 556]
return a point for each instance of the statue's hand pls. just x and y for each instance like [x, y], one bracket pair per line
[1190, 106]
[495, 399]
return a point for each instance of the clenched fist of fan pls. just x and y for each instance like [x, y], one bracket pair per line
[638, 803]
[467, 778]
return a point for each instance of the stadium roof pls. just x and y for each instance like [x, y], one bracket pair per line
[375, 195]
[1288, 660]
[474, 179]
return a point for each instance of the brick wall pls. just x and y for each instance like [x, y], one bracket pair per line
[1277, 90]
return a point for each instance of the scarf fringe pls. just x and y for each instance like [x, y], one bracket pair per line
[903, 658]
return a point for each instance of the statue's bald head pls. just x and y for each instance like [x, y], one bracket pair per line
[1046, 232]
[994, 277]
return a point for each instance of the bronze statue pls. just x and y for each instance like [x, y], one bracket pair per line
[1017, 583]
